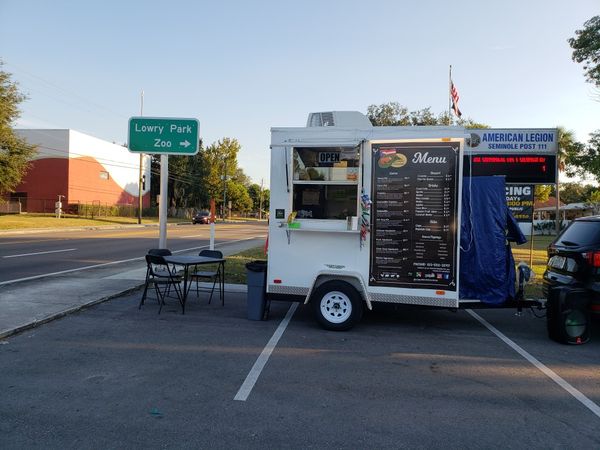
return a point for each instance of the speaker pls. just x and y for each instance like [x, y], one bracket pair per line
[568, 315]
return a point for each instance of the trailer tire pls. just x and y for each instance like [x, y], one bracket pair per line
[337, 305]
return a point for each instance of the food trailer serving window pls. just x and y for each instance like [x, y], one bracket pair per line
[325, 182]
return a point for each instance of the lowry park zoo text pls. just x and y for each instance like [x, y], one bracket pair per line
[517, 140]
[160, 128]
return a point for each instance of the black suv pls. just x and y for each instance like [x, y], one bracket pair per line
[574, 259]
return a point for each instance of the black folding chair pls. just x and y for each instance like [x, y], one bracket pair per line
[210, 275]
[161, 252]
[159, 273]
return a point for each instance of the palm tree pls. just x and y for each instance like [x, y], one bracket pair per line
[566, 144]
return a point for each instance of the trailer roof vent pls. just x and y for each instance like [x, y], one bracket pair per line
[321, 119]
[348, 119]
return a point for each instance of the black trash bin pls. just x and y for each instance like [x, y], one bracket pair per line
[256, 276]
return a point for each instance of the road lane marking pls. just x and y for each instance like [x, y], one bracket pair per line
[140, 258]
[40, 253]
[250, 381]
[204, 235]
[32, 241]
[544, 369]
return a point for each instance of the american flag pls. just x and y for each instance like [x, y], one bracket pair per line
[455, 97]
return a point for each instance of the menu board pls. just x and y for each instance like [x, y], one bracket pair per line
[414, 235]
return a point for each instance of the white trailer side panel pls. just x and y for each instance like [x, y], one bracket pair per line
[297, 256]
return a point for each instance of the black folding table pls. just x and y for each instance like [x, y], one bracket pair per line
[187, 261]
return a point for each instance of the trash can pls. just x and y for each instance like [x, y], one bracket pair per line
[256, 276]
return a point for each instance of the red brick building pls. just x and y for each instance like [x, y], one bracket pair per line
[81, 168]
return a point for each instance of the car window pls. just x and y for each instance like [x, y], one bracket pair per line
[580, 234]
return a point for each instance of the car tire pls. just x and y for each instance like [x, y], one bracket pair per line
[337, 305]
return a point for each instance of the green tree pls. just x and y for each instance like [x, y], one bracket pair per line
[542, 192]
[239, 197]
[240, 177]
[179, 182]
[586, 49]
[395, 114]
[470, 123]
[566, 145]
[220, 160]
[584, 159]
[15, 152]
[266, 196]
[256, 194]
[388, 114]
[196, 170]
[594, 201]
[572, 192]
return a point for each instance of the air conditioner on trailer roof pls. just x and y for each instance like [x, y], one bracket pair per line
[345, 119]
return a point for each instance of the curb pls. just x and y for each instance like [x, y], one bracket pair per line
[74, 309]
[11, 332]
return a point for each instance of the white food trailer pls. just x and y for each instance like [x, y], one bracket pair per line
[362, 214]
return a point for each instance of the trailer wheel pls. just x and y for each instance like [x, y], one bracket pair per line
[337, 305]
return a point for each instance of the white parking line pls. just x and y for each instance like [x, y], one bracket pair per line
[250, 381]
[40, 253]
[544, 369]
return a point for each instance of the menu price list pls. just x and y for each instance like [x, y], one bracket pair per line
[414, 209]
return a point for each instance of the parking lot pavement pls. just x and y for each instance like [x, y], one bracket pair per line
[115, 376]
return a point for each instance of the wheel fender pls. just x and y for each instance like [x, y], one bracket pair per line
[352, 278]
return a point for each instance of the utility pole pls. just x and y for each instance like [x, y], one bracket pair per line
[141, 175]
[260, 200]
[224, 187]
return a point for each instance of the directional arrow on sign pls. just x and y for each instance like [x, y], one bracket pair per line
[185, 143]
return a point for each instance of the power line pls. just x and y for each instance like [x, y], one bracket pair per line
[112, 163]
[63, 90]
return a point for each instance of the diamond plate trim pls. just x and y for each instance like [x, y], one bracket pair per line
[410, 300]
[292, 290]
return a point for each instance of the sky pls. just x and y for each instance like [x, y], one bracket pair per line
[242, 67]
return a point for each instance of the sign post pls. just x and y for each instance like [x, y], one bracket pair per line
[164, 136]
[162, 206]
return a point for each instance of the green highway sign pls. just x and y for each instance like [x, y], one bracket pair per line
[163, 135]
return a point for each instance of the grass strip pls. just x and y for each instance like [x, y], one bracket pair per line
[235, 265]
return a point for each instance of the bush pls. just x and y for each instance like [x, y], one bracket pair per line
[98, 210]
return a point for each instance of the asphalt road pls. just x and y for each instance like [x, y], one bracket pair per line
[114, 376]
[27, 255]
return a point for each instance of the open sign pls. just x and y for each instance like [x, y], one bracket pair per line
[329, 157]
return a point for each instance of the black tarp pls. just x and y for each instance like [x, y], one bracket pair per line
[487, 267]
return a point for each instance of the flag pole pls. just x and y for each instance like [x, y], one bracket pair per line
[450, 95]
